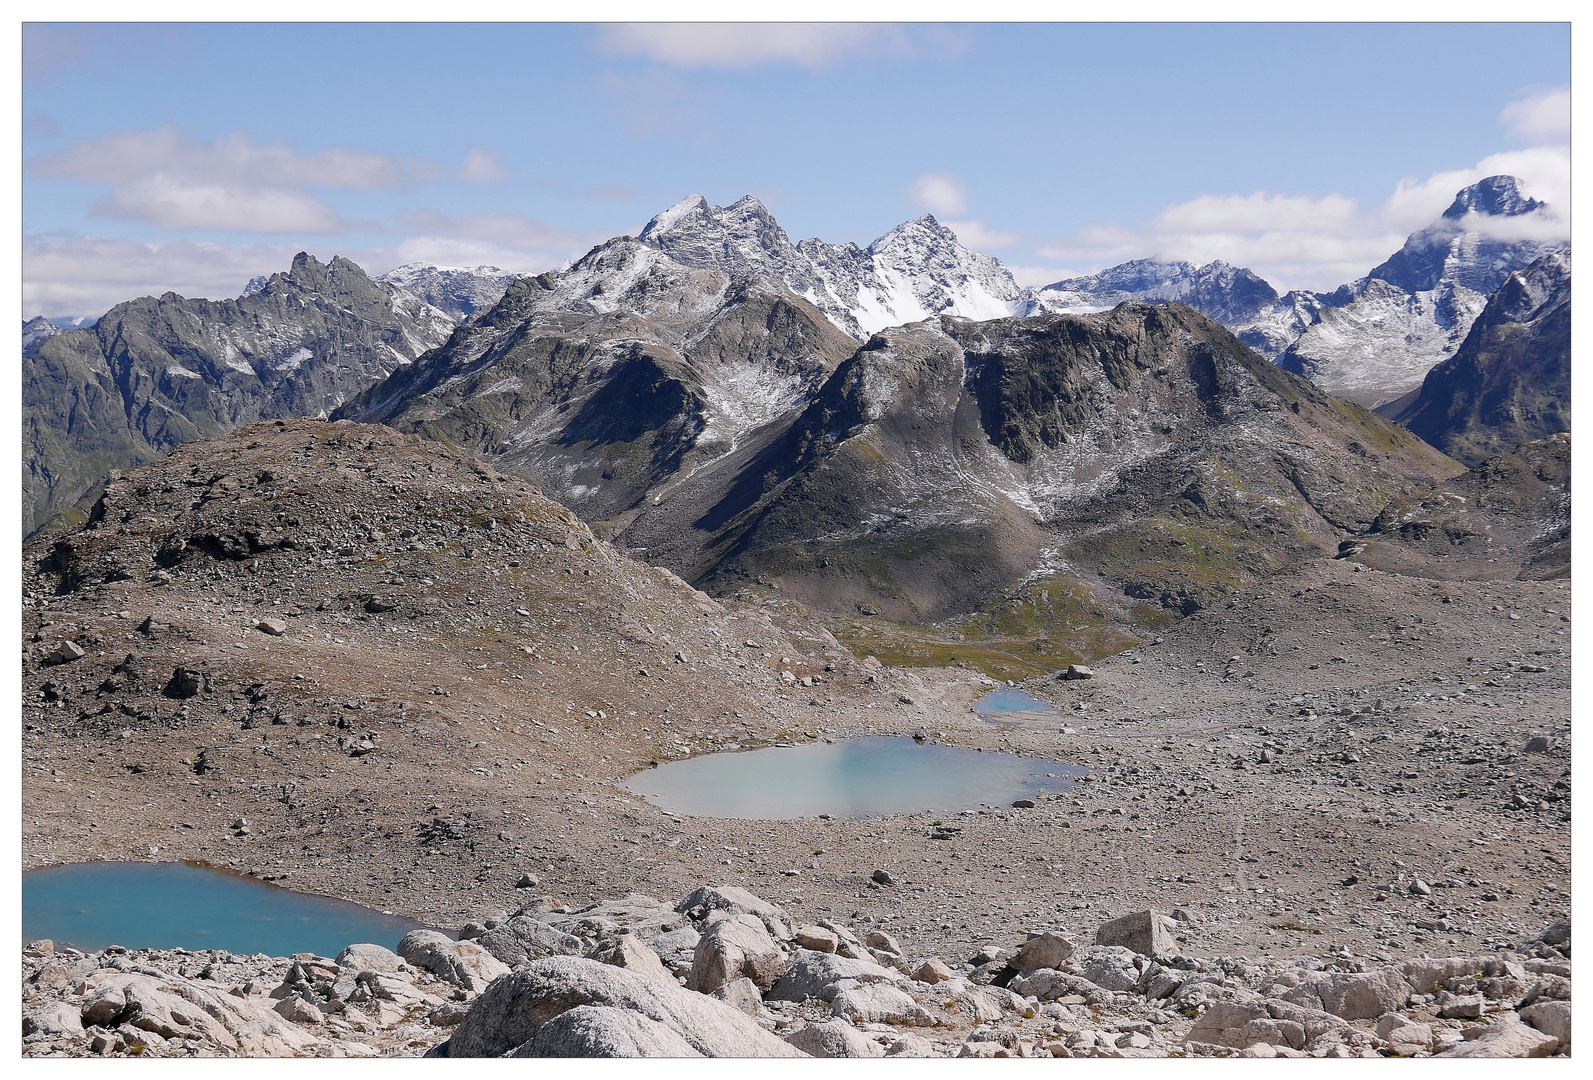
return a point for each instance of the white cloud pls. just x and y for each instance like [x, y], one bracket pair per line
[1544, 172]
[86, 275]
[939, 194]
[512, 241]
[510, 230]
[1541, 120]
[746, 45]
[232, 159]
[484, 166]
[947, 197]
[173, 203]
[976, 235]
[163, 177]
[1319, 242]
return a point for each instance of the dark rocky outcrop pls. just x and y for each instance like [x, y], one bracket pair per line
[1510, 380]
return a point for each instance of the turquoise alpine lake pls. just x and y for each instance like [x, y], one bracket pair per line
[175, 905]
[852, 778]
[1008, 700]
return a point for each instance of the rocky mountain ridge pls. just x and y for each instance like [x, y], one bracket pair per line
[720, 427]
[916, 270]
[157, 372]
[611, 381]
[1375, 339]
[951, 464]
[1510, 380]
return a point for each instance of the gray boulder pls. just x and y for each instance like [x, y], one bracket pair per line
[1352, 995]
[1428, 973]
[1111, 967]
[734, 946]
[834, 1039]
[734, 900]
[56, 1019]
[879, 1003]
[1551, 1018]
[816, 938]
[810, 973]
[365, 957]
[1048, 985]
[514, 1009]
[466, 964]
[1047, 950]
[523, 939]
[627, 952]
[600, 1031]
[1149, 933]
[741, 994]
[912, 1046]
[1509, 1038]
[933, 970]
[1242, 1025]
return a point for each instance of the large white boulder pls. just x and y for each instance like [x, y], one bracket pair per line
[733, 947]
[811, 973]
[514, 1009]
[464, 963]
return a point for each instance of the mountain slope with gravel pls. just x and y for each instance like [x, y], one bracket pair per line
[1328, 815]
[1143, 456]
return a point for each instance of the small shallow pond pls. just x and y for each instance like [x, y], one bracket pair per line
[174, 905]
[1009, 700]
[853, 778]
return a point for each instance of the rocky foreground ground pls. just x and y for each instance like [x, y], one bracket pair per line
[359, 664]
[724, 973]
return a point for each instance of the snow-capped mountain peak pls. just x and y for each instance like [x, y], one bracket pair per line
[460, 292]
[1499, 196]
[35, 332]
[667, 220]
[1377, 338]
[915, 270]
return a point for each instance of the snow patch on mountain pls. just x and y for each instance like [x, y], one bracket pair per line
[917, 270]
[35, 332]
[1376, 339]
[461, 292]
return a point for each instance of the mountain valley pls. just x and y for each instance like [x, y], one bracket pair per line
[356, 662]
[395, 589]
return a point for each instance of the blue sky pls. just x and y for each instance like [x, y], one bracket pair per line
[193, 157]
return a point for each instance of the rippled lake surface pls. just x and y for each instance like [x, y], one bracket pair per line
[852, 778]
[174, 905]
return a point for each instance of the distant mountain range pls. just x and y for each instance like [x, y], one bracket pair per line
[1231, 295]
[668, 356]
[606, 383]
[712, 418]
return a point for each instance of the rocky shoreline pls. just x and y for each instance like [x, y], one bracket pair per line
[724, 973]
